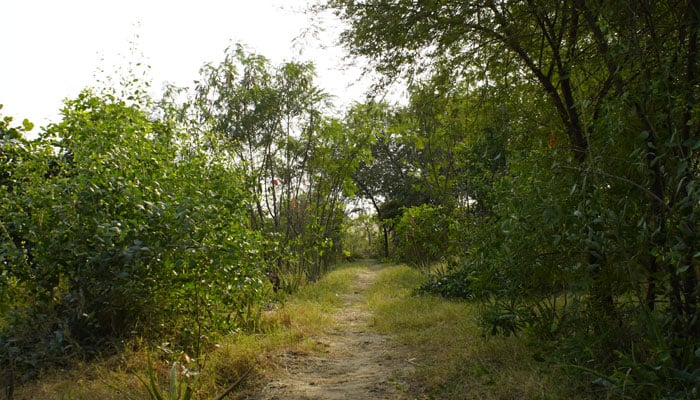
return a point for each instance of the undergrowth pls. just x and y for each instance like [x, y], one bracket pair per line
[286, 327]
[451, 356]
[440, 339]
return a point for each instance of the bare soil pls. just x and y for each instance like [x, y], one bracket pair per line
[356, 361]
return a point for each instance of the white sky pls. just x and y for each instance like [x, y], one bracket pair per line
[52, 49]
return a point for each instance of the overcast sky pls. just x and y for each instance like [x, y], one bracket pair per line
[51, 49]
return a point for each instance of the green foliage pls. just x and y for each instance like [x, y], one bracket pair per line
[570, 128]
[135, 219]
[548, 155]
[176, 389]
[454, 283]
[422, 235]
[125, 232]
[20, 162]
[268, 119]
[361, 236]
[453, 359]
[384, 176]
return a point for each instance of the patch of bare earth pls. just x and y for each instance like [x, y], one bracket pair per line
[357, 362]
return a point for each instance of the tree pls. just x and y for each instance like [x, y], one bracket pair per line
[118, 228]
[22, 161]
[387, 178]
[621, 81]
[269, 120]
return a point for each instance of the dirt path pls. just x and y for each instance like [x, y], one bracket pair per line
[357, 362]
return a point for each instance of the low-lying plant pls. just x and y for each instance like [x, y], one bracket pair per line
[452, 356]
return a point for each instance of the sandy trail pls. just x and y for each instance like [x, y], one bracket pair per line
[357, 362]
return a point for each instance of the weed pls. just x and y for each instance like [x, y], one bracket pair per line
[177, 390]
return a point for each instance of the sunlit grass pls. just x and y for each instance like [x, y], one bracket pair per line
[325, 293]
[452, 359]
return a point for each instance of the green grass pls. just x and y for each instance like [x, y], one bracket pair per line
[325, 293]
[452, 359]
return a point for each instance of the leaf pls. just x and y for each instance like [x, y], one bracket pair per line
[681, 168]
[28, 126]
[173, 381]
[556, 240]
[693, 144]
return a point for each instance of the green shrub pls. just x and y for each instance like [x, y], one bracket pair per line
[130, 232]
[422, 235]
[453, 283]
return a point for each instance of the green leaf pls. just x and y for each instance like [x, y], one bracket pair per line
[693, 144]
[173, 381]
[28, 126]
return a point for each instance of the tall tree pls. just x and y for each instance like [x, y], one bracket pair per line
[269, 120]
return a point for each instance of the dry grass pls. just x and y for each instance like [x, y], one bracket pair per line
[453, 359]
[287, 328]
[440, 338]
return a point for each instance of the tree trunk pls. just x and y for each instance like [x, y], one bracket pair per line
[386, 241]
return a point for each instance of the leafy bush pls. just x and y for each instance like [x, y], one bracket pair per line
[454, 283]
[422, 235]
[123, 230]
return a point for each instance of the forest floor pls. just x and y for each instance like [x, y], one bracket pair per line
[356, 362]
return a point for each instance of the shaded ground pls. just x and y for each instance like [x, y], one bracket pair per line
[357, 362]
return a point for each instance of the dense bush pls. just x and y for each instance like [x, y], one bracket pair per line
[453, 283]
[130, 219]
[422, 235]
[118, 231]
